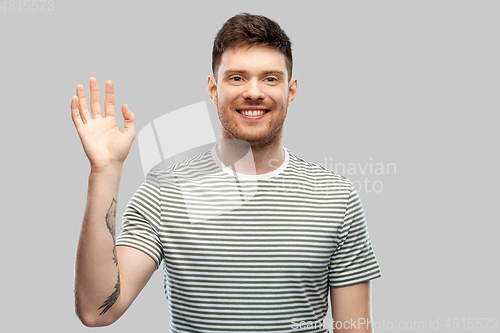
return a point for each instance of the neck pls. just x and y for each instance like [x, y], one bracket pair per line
[243, 158]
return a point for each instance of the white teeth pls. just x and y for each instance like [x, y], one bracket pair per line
[253, 112]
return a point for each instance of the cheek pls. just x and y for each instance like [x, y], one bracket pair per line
[226, 98]
[282, 98]
[279, 95]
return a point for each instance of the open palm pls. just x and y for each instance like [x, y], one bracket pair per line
[105, 145]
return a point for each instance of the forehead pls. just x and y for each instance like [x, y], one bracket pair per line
[255, 58]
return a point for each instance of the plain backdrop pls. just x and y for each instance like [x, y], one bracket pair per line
[402, 97]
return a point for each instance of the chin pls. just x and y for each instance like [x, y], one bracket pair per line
[260, 140]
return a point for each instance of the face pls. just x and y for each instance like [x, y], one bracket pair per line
[252, 94]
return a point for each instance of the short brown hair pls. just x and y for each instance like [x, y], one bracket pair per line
[248, 29]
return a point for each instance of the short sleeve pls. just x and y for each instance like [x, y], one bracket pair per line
[353, 260]
[141, 220]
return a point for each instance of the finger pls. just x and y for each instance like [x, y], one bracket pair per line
[75, 113]
[82, 104]
[128, 120]
[95, 103]
[109, 100]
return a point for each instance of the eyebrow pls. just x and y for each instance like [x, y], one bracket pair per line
[241, 71]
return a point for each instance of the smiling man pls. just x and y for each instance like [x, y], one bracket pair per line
[264, 263]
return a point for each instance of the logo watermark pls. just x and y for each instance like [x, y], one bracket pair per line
[27, 6]
[185, 132]
[366, 177]
[473, 324]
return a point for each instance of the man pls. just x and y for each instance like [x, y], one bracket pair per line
[259, 264]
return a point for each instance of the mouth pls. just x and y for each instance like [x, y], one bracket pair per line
[252, 112]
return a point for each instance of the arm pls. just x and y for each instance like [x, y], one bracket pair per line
[352, 268]
[351, 308]
[107, 277]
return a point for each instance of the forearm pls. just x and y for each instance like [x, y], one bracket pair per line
[97, 277]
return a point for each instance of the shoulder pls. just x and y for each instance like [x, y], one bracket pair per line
[192, 171]
[309, 171]
[197, 163]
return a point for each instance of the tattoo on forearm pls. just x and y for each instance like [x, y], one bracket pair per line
[112, 298]
[110, 223]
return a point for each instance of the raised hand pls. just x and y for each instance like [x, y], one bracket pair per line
[105, 145]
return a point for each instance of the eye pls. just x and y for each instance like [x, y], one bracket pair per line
[236, 79]
[271, 79]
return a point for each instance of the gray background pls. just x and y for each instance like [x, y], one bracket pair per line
[412, 83]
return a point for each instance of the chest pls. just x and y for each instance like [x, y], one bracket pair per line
[288, 241]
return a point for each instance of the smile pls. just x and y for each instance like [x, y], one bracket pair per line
[252, 113]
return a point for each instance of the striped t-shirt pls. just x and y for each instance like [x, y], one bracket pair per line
[248, 253]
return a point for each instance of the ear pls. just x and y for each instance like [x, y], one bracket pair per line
[292, 90]
[212, 89]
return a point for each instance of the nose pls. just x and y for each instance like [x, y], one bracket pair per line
[253, 90]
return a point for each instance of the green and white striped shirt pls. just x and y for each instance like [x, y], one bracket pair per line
[248, 253]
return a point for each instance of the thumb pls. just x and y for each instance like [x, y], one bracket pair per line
[128, 120]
